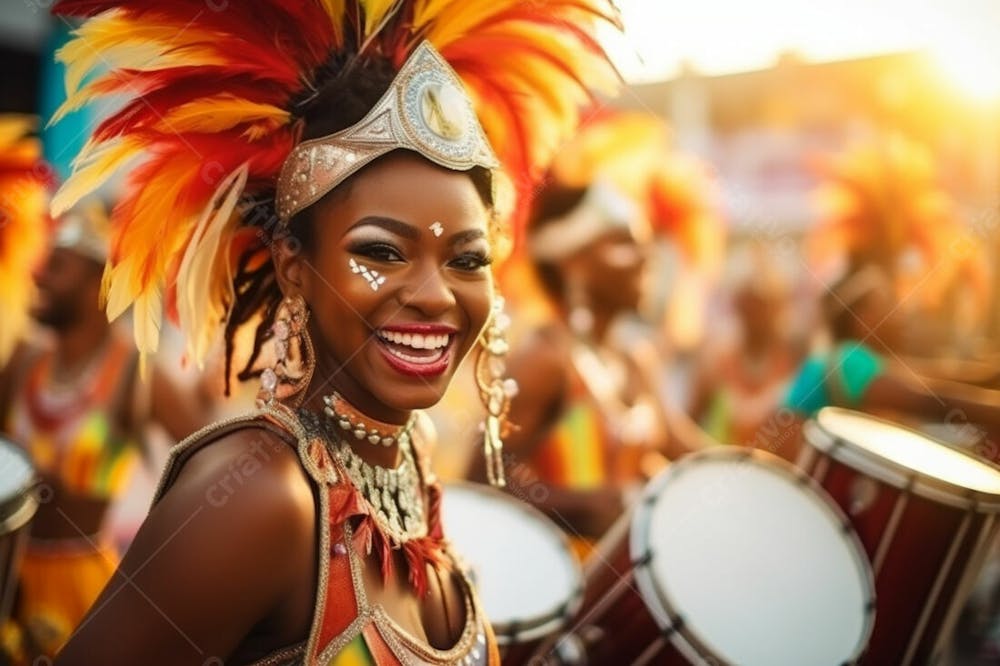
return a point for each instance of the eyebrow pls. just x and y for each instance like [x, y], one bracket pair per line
[389, 224]
[410, 232]
[467, 236]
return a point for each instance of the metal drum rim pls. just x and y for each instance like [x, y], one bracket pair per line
[896, 474]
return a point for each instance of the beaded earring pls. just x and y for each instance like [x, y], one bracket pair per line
[495, 390]
[289, 329]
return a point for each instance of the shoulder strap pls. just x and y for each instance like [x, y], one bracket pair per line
[180, 453]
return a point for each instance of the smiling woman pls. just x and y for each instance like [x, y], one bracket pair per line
[316, 173]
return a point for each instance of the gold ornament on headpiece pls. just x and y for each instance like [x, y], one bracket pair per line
[425, 110]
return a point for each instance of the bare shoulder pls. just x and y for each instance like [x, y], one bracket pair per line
[250, 468]
[238, 523]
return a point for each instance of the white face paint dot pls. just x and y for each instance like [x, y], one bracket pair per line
[370, 276]
[437, 229]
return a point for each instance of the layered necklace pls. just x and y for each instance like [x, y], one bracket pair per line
[393, 494]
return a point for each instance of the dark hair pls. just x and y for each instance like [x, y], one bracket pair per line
[552, 202]
[346, 90]
[848, 295]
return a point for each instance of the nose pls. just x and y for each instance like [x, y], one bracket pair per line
[429, 291]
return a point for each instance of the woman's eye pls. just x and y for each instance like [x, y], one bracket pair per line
[470, 261]
[378, 252]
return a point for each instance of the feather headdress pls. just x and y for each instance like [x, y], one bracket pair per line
[211, 111]
[24, 222]
[675, 192]
[881, 199]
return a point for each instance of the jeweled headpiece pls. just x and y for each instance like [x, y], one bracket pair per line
[424, 110]
[215, 101]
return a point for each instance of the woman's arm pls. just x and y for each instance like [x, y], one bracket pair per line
[224, 548]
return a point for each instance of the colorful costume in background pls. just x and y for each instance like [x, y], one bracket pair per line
[218, 117]
[74, 436]
[632, 182]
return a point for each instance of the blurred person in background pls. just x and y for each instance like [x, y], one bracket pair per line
[881, 203]
[74, 400]
[590, 420]
[861, 369]
[739, 382]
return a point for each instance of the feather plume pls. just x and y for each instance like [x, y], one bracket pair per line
[197, 276]
[24, 223]
[883, 197]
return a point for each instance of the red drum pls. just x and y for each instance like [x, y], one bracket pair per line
[925, 513]
[732, 556]
[17, 507]
[524, 571]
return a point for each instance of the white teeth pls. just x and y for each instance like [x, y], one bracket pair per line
[416, 340]
[433, 358]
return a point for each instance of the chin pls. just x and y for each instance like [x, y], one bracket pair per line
[407, 398]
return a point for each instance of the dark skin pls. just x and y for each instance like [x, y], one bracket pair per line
[610, 270]
[238, 581]
[68, 287]
[759, 314]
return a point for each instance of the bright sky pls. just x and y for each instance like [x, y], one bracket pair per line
[720, 36]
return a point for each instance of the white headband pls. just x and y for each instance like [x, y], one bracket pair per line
[603, 209]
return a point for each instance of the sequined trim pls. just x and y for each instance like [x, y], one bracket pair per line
[284, 657]
[401, 642]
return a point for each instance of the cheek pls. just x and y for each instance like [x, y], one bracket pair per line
[477, 300]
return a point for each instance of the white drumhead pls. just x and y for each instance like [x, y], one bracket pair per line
[911, 450]
[754, 560]
[525, 573]
[15, 470]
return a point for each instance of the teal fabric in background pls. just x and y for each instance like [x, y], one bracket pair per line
[63, 140]
[852, 364]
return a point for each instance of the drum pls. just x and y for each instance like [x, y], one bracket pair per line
[731, 556]
[925, 513]
[17, 507]
[526, 576]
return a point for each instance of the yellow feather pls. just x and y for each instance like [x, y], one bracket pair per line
[219, 113]
[118, 296]
[376, 12]
[13, 126]
[197, 312]
[156, 230]
[93, 166]
[335, 9]
[112, 40]
[147, 319]
[454, 20]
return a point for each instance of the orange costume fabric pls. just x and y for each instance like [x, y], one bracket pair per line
[346, 628]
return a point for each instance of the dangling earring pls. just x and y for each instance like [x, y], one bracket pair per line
[581, 317]
[495, 390]
[277, 382]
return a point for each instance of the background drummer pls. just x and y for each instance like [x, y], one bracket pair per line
[590, 415]
[863, 370]
[75, 402]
